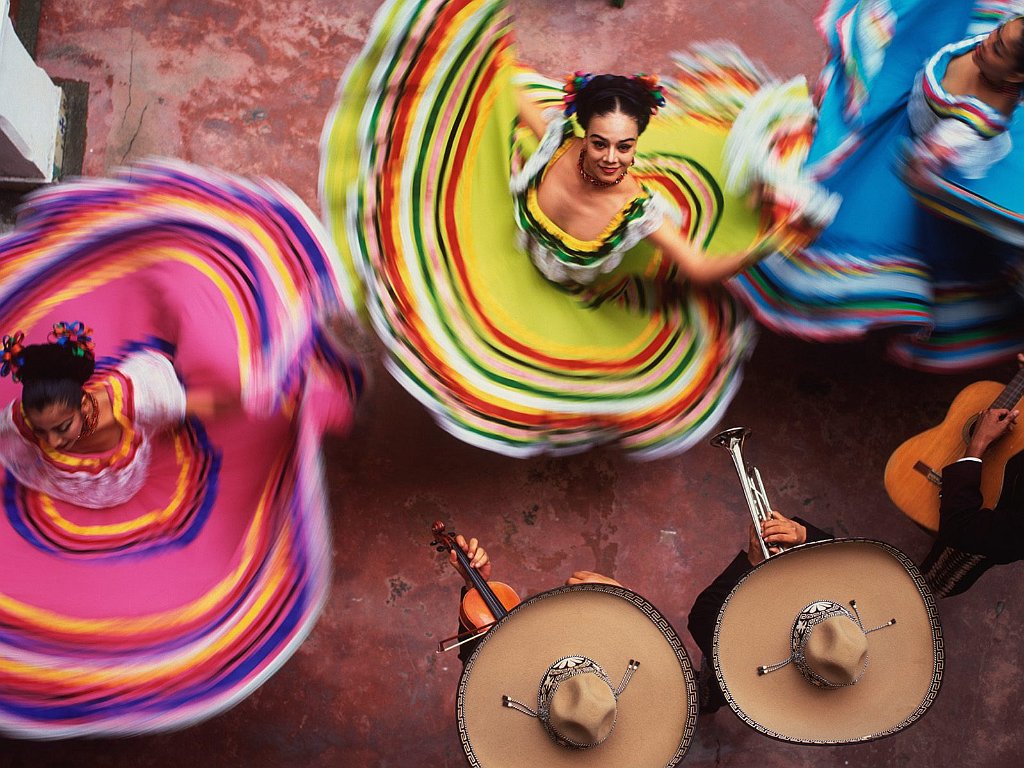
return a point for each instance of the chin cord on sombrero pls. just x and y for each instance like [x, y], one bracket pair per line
[582, 674]
[843, 655]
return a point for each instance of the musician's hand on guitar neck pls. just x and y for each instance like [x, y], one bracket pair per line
[990, 426]
[478, 559]
[779, 531]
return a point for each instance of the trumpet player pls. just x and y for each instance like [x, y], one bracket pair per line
[776, 531]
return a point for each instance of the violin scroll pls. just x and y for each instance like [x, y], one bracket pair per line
[442, 540]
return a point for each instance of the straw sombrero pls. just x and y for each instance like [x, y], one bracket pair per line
[587, 675]
[829, 643]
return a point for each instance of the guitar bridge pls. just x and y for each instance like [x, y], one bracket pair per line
[930, 474]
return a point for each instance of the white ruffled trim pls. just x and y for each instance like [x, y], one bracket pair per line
[972, 153]
[538, 161]
[559, 271]
[750, 157]
[106, 488]
[875, 29]
[863, 37]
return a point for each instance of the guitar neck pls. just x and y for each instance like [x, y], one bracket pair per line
[490, 599]
[1012, 393]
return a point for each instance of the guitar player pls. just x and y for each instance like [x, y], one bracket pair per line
[973, 538]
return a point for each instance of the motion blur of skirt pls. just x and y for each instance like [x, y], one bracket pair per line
[174, 605]
[416, 163]
[942, 277]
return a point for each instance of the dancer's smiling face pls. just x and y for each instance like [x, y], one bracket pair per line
[1000, 57]
[610, 145]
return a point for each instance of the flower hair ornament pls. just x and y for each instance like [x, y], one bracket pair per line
[12, 358]
[574, 83]
[73, 336]
[654, 90]
[578, 80]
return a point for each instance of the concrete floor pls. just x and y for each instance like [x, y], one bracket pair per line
[245, 85]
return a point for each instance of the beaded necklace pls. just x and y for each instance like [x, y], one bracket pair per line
[597, 182]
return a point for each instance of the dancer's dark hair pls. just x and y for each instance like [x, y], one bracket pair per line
[605, 94]
[1018, 49]
[54, 374]
[50, 373]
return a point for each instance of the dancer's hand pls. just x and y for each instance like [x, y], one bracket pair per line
[478, 559]
[925, 159]
[207, 404]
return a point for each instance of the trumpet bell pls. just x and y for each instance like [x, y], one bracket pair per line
[750, 479]
[727, 437]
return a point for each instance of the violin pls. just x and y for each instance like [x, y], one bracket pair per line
[487, 601]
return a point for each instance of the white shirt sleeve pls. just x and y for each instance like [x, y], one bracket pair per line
[972, 153]
[14, 451]
[159, 395]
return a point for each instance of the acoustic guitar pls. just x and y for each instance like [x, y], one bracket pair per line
[913, 475]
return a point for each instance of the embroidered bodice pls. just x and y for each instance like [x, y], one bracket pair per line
[974, 133]
[559, 256]
[145, 397]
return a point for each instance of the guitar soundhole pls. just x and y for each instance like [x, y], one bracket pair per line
[968, 431]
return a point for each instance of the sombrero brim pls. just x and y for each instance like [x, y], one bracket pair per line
[656, 713]
[905, 661]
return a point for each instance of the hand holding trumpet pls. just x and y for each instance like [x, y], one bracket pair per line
[777, 531]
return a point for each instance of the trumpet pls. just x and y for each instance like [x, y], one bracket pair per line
[750, 479]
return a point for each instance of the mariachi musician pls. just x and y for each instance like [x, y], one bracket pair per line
[478, 559]
[972, 538]
[587, 674]
[829, 642]
[788, 628]
[776, 532]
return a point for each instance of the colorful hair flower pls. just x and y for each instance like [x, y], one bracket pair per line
[654, 90]
[11, 357]
[574, 83]
[75, 336]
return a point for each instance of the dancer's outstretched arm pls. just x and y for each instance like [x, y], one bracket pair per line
[531, 113]
[693, 263]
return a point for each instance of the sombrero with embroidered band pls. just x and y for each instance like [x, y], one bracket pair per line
[586, 675]
[831, 642]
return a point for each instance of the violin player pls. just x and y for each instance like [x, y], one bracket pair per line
[480, 561]
[585, 674]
